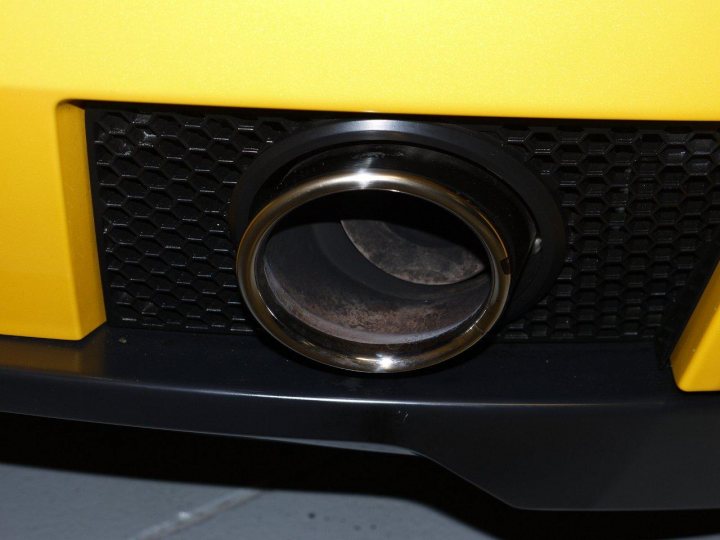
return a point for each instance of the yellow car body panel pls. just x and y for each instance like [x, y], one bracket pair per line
[623, 59]
[696, 358]
[626, 59]
[49, 273]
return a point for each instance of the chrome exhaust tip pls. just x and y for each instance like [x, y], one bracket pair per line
[340, 270]
[390, 245]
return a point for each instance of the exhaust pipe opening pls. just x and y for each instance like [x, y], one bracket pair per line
[375, 271]
[382, 245]
[361, 267]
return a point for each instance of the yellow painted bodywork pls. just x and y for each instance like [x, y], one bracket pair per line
[543, 58]
[49, 281]
[621, 59]
[696, 358]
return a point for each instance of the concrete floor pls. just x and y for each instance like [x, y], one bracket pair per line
[65, 480]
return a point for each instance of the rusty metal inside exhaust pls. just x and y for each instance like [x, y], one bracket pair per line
[375, 267]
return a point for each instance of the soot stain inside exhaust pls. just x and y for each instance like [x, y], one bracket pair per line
[375, 267]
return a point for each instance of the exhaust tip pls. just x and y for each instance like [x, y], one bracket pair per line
[387, 245]
[374, 270]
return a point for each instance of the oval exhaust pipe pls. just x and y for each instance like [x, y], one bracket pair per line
[382, 255]
[340, 270]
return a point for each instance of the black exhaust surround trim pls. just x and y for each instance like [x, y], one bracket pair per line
[519, 198]
[328, 301]
[640, 200]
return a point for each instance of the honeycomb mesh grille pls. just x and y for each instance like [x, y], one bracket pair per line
[640, 201]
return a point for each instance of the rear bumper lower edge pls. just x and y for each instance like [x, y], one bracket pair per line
[550, 426]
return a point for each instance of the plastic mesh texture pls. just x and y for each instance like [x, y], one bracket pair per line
[641, 201]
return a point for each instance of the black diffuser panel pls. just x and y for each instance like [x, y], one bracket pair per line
[641, 202]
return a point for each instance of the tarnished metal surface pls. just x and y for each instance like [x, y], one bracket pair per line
[413, 255]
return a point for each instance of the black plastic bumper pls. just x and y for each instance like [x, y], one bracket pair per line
[542, 426]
